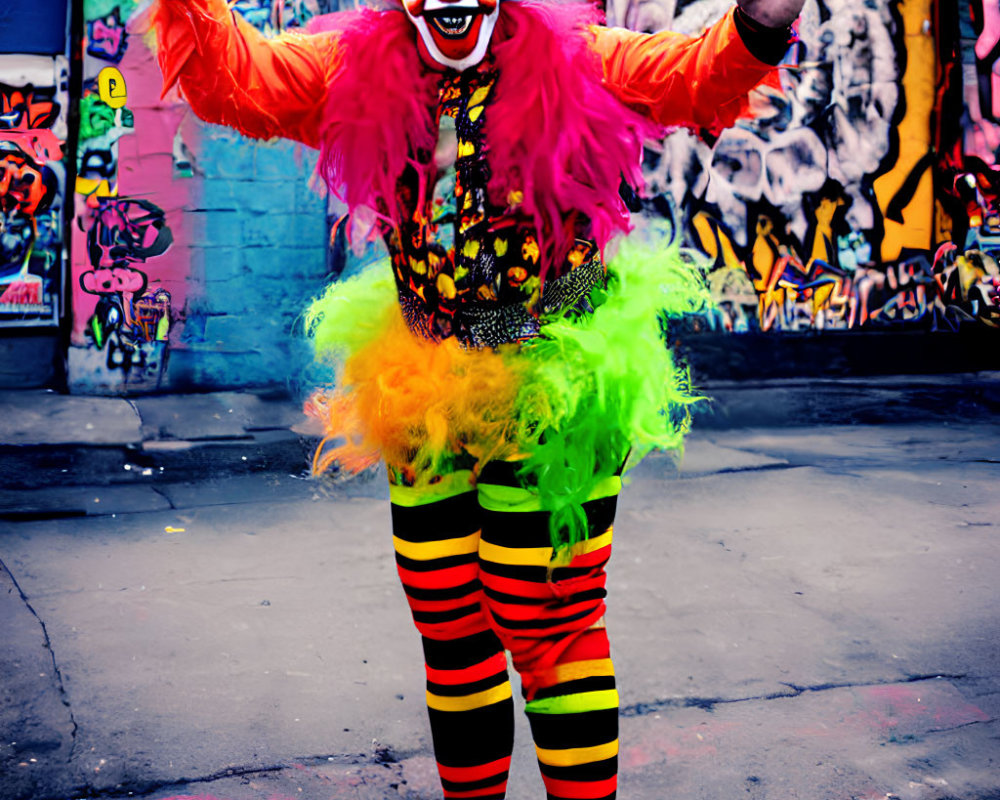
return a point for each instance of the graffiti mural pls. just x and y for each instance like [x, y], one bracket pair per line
[828, 210]
[131, 321]
[106, 36]
[33, 104]
[124, 295]
[101, 126]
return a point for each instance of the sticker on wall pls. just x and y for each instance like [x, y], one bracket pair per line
[111, 87]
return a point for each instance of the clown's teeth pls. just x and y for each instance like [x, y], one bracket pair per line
[454, 25]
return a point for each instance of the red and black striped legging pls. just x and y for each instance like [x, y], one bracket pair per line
[476, 565]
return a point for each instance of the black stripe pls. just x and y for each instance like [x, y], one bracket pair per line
[501, 473]
[586, 729]
[493, 736]
[450, 615]
[531, 528]
[540, 624]
[516, 528]
[502, 597]
[594, 683]
[463, 689]
[517, 572]
[569, 573]
[534, 574]
[594, 771]
[444, 519]
[548, 796]
[461, 653]
[435, 563]
[471, 786]
[449, 593]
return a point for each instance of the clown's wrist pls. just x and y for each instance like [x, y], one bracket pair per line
[766, 43]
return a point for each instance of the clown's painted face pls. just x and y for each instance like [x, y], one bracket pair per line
[456, 33]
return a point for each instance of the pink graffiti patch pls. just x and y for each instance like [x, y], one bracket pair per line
[912, 709]
[41, 144]
[656, 742]
[114, 279]
[897, 711]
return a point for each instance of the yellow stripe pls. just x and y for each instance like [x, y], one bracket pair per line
[427, 551]
[575, 670]
[540, 556]
[573, 756]
[518, 556]
[469, 701]
[590, 545]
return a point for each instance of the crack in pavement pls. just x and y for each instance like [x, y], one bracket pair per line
[794, 690]
[63, 694]
[962, 725]
[163, 494]
[759, 468]
[140, 788]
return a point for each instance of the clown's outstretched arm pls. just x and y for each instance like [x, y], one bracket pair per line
[231, 75]
[700, 82]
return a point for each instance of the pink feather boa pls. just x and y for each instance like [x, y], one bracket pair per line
[554, 134]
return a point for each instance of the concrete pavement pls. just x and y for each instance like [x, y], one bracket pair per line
[798, 612]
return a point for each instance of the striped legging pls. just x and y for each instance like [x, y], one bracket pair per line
[476, 565]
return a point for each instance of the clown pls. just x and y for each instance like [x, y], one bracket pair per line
[504, 370]
[454, 34]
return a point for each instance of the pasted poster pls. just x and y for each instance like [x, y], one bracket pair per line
[34, 99]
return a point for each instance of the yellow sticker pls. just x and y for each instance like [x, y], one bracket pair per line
[172, 529]
[111, 87]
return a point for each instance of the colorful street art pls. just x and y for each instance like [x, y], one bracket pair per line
[33, 112]
[125, 287]
[131, 320]
[863, 195]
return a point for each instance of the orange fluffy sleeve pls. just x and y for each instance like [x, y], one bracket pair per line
[232, 75]
[678, 80]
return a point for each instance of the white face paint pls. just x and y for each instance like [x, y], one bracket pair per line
[456, 34]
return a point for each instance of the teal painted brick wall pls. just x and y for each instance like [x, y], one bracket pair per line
[258, 255]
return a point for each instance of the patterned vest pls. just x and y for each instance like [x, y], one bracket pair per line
[464, 266]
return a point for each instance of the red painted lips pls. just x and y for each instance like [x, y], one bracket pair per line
[455, 31]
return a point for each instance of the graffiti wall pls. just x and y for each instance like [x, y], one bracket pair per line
[862, 195]
[194, 249]
[128, 275]
[34, 101]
